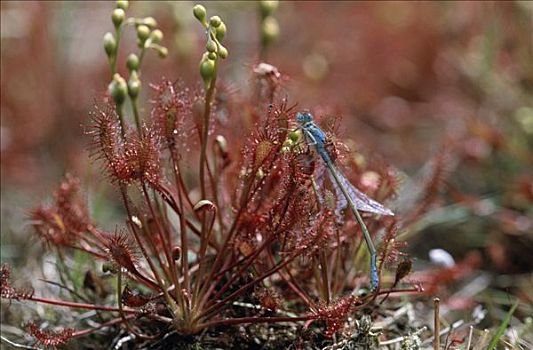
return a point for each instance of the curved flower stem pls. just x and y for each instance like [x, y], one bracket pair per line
[169, 196]
[211, 281]
[118, 35]
[210, 93]
[136, 115]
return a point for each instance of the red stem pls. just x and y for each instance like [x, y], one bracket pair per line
[106, 324]
[79, 305]
[166, 244]
[293, 285]
[225, 301]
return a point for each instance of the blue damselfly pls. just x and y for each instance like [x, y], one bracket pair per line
[346, 192]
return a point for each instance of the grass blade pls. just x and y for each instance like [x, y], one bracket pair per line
[494, 341]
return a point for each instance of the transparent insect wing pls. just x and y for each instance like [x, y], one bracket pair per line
[362, 201]
[315, 136]
[342, 203]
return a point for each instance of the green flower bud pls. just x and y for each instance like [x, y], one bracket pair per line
[118, 89]
[295, 135]
[118, 17]
[162, 51]
[122, 4]
[143, 32]
[156, 36]
[215, 21]
[220, 31]
[212, 56]
[267, 7]
[110, 44]
[134, 85]
[200, 13]
[150, 22]
[132, 62]
[207, 69]
[222, 52]
[269, 30]
[211, 46]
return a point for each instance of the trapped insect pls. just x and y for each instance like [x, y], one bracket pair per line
[347, 194]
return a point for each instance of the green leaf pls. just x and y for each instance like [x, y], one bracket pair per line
[495, 340]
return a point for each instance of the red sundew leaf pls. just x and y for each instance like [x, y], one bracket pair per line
[133, 298]
[50, 338]
[442, 166]
[122, 251]
[171, 108]
[305, 164]
[139, 160]
[262, 151]
[246, 239]
[50, 227]
[9, 292]
[336, 314]
[62, 223]
[106, 136]
[403, 269]
[269, 298]
[70, 206]
[390, 248]
[127, 156]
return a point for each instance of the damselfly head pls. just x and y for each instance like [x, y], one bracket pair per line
[304, 117]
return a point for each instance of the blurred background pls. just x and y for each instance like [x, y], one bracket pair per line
[410, 80]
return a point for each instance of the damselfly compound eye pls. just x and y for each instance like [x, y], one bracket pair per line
[304, 117]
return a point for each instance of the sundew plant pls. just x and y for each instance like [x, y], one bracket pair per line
[231, 223]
